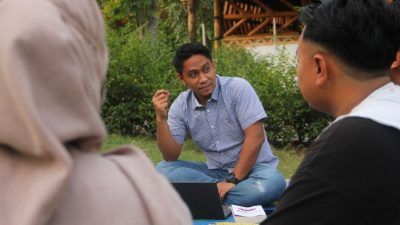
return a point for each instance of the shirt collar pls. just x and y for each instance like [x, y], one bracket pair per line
[375, 107]
[381, 106]
[214, 95]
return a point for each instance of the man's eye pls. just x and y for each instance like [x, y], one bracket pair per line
[192, 74]
[206, 69]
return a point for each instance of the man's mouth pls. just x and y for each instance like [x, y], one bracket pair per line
[204, 87]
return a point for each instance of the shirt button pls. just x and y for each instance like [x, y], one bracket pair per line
[217, 142]
[212, 126]
[208, 110]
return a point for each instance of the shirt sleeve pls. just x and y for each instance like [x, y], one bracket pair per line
[176, 119]
[248, 107]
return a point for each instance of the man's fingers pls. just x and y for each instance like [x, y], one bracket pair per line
[163, 106]
[221, 194]
[221, 189]
[161, 93]
[160, 97]
[161, 103]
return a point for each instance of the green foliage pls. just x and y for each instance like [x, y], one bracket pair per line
[138, 66]
[205, 14]
[118, 13]
[166, 18]
[172, 20]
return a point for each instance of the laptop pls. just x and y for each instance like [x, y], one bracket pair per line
[203, 200]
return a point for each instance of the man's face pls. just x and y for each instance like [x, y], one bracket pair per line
[198, 74]
[307, 74]
[304, 76]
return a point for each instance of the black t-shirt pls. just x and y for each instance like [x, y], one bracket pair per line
[350, 175]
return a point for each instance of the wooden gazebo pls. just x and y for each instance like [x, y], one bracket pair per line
[253, 22]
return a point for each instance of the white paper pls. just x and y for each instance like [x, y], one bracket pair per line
[252, 211]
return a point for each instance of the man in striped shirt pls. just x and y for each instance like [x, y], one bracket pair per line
[225, 118]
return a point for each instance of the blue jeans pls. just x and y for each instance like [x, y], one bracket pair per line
[263, 186]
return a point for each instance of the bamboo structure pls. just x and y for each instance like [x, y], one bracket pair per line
[254, 22]
[251, 22]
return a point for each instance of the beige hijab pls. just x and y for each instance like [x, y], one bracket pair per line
[52, 65]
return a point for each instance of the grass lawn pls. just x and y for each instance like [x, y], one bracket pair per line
[289, 159]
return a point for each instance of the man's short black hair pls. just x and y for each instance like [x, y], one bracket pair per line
[363, 34]
[186, 51]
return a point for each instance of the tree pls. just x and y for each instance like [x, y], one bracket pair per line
[140, 13]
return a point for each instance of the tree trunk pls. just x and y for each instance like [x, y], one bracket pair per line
[217, 23]
[191, 21]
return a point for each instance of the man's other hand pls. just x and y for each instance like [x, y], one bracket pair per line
[223, 188]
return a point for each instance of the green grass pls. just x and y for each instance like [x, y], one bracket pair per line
[289, 159]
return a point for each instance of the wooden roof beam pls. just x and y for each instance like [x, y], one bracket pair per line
[288, 23]
[233, 28]
[262, 5]
[236, 8]
[259, 27]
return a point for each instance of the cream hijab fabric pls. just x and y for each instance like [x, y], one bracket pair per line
[53, 62]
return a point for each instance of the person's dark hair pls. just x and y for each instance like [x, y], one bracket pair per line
[186, 51]
[363, 34]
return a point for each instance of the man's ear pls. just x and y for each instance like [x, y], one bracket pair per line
[395, 64]
[180, 76]
[321, 69]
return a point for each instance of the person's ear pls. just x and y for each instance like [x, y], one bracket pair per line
[321, 70]
[395, 64]
[180, 76]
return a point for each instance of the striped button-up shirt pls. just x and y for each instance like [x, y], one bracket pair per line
[218, 127]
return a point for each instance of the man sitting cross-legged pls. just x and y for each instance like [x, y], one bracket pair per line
[224, 117]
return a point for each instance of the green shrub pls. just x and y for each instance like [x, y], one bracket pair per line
[139, 65]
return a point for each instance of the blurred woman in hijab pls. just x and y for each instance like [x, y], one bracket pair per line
[53, 62]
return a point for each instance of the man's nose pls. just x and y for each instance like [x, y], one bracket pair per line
[203, 77]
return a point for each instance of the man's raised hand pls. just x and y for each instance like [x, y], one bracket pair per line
[161, 103]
